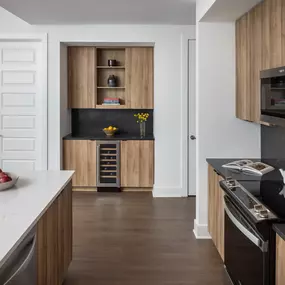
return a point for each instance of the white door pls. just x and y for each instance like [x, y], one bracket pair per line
[22, 106]
[192, 118]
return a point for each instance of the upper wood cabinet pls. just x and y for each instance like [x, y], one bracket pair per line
[137, 163]
[216, 217]
[243, 69]
[139, 77]
[88, 73]
[82, 77]
[80, 155]
[260, 45]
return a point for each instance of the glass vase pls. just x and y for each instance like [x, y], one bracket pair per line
[142, 129]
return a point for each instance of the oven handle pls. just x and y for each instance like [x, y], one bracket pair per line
[261, 244]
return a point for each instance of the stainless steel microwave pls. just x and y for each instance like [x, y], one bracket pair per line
[273, 96]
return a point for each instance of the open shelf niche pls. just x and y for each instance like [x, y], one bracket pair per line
[103, 73]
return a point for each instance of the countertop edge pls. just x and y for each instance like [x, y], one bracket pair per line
[280, 230]
[115, 138]
[33, 224]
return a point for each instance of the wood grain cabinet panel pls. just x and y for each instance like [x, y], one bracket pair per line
[80, 155]
[54, 240]
[255, 46]
[280, 260]
[137, 163]
[216, 216]
[82, 77]
[243, 69]
[139, 77]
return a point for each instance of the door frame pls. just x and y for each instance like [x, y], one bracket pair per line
[185, 59]
[42, 38]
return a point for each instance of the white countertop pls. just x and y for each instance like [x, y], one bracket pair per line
[23, 205]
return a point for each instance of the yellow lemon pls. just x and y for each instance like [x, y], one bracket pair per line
[110, 128]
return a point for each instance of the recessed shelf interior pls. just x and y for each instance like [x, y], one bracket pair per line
[104, 54]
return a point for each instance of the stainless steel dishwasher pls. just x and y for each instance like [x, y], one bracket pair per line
[21, 267]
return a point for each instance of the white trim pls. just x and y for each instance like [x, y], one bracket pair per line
[167, 192]
[201, 231]
[185, 113]
[38, 37]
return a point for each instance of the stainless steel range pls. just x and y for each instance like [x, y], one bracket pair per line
[251, 207]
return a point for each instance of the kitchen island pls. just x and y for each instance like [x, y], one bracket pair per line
[41, 200]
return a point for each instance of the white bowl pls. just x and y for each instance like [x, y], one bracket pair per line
[9, 184]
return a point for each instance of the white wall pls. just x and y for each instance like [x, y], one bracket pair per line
[168, 66]
[220, 133]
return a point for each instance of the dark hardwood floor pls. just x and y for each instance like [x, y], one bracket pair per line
[133, 239]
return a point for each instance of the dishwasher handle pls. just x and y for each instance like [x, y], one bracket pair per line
[25, 263]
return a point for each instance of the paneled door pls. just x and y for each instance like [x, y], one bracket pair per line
[22, 106]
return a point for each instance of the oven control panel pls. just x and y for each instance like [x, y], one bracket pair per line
[254, 206]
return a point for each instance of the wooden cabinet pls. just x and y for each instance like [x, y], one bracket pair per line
[88, 73]
[280, 260]
[81, 77]
[137, 163]
[216, 216]
[54, 240]
[243, 69]
[260, 45]
[80, 155]
[139, 77]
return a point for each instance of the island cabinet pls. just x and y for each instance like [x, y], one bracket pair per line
[216, 218]
[280, 260]
[80, 155]
[137, 164]
[54, 240]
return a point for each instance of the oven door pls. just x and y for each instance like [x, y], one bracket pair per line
[246, 254]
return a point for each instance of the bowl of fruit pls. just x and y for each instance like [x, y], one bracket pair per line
[7, 180]
[110, 131]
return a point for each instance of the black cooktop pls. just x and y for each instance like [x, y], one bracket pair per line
[269, 192]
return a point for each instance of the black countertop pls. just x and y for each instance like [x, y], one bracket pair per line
[217, 164]
[103, 137]
[280, 230]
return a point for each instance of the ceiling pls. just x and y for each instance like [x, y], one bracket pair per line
[41, 12]
[228, 10]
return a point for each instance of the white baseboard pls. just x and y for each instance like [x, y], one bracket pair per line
[167, 192]
[201, 231]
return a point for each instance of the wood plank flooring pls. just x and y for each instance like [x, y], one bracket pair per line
[133, 239]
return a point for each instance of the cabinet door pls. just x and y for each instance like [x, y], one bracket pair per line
[271, 34]
[139, 77]
[80, 155]
[54, 240]
[216, 218]
[82, 77]
[137, 163]
[243, 69]
[255, 46]
[280, 260]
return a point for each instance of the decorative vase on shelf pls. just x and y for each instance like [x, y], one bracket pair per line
[112, 81]
[142, 129]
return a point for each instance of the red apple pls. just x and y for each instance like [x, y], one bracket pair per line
[5, 179]
[3, 174]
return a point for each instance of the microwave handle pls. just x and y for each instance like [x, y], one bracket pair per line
[261, 244]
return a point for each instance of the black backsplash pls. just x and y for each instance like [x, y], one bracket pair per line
[273, 146]
[88, 122]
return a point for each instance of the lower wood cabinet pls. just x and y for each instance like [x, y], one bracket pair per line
[80, 155]
[137, 163]
[280, 260]
[54, 240]
[216, 218]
